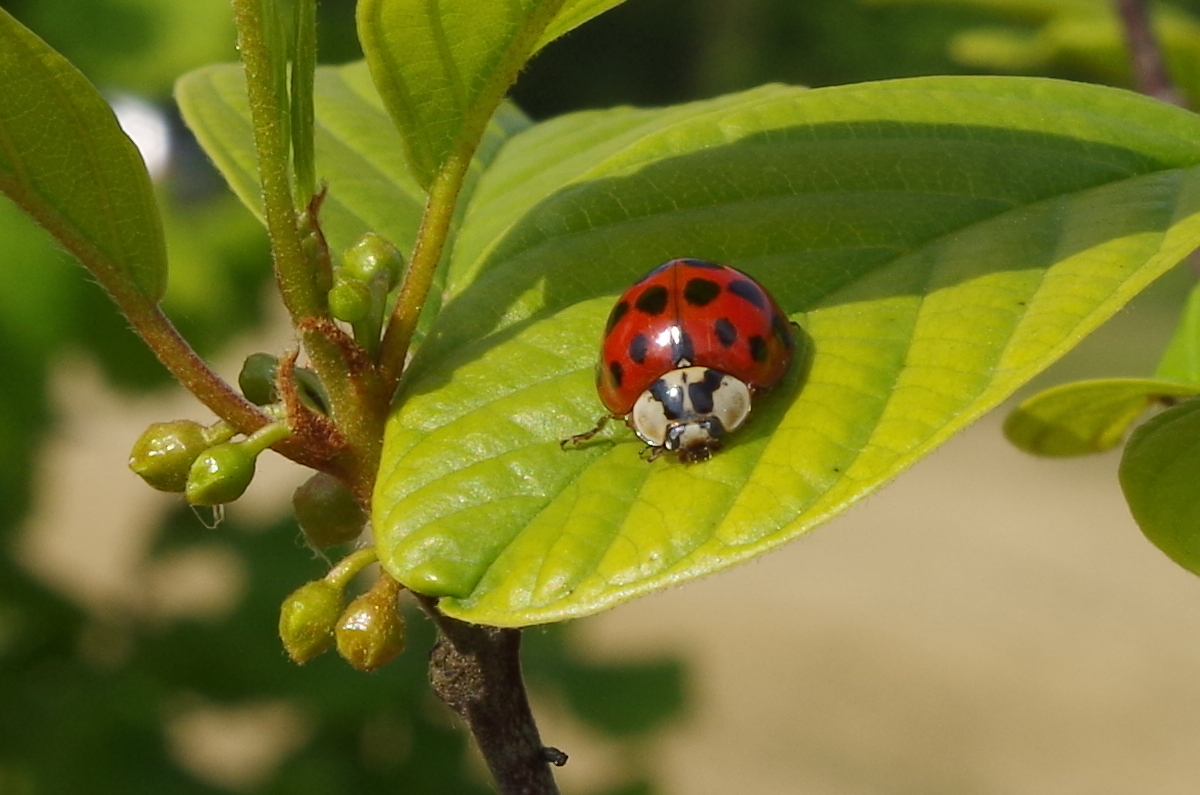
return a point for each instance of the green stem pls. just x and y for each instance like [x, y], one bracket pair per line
[346, 569]
[431, 241]
[267, 436]
[269, 113]
[304, 65]
[443, 194]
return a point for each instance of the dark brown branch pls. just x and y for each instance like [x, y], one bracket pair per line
[476, 671]
[1150, 75]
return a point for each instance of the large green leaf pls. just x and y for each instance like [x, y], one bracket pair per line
[1158, 473]
[1088, 416]
[66, 162]
[358, 153]
[940, 239]
[444, 67]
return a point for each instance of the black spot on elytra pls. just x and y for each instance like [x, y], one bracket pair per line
[615, 369]
[783, 330]
[615, 316]
[701, 392]
[637, 348]
[699, 292]
[702, 263]
[726, 332]
[653, 300]
[682, 350]
[744, 288]
[670, 397]
[758, 348]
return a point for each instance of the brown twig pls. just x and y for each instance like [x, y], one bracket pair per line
[1149, 67]
[476, 671]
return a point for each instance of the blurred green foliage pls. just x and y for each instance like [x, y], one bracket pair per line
[73, 721]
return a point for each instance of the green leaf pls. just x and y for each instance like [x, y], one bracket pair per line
[1087, 416]
[1159, 471]
[358, 152]
[66, 162]
[941, 240]
[443, 68]
[1181, 359]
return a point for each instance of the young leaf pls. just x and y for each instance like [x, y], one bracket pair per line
[941, 240]
[443, 68]
[1158, 475]
[358, 153]
[66, 162]
[1087, 416]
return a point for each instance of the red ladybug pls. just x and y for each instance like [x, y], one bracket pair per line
[685, 350]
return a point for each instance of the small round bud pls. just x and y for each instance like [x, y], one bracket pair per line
[307, 619]
[327, 512]
[373, 256]
[257, 378]
[164, 453]
[371, 632]
[220, 474]
[349, 300]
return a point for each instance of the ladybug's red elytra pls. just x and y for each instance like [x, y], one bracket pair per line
[685, 350]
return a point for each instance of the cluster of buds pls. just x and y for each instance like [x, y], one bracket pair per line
[368, 633]
[369, 271]
[206, 465]
[212, 467]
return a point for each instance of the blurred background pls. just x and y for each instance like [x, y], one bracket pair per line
[991, 623]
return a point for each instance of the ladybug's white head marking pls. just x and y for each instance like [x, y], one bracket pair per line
[688, 410]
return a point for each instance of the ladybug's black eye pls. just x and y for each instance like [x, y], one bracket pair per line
[653, 300]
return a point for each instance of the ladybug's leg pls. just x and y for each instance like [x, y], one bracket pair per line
[651, 454]
[579, 438]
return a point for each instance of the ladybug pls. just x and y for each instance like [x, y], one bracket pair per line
[685, 351]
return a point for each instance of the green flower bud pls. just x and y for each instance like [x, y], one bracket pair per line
[257, 378]
[164, 453]
[307, 619]
[327, 512]
[350, 299]
[373, 256]
[220, 474]
[371, 632]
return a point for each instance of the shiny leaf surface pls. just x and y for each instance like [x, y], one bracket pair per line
[941, 240]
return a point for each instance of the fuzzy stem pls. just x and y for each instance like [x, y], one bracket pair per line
[476, 671]
[189, 369]
[270, 115]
